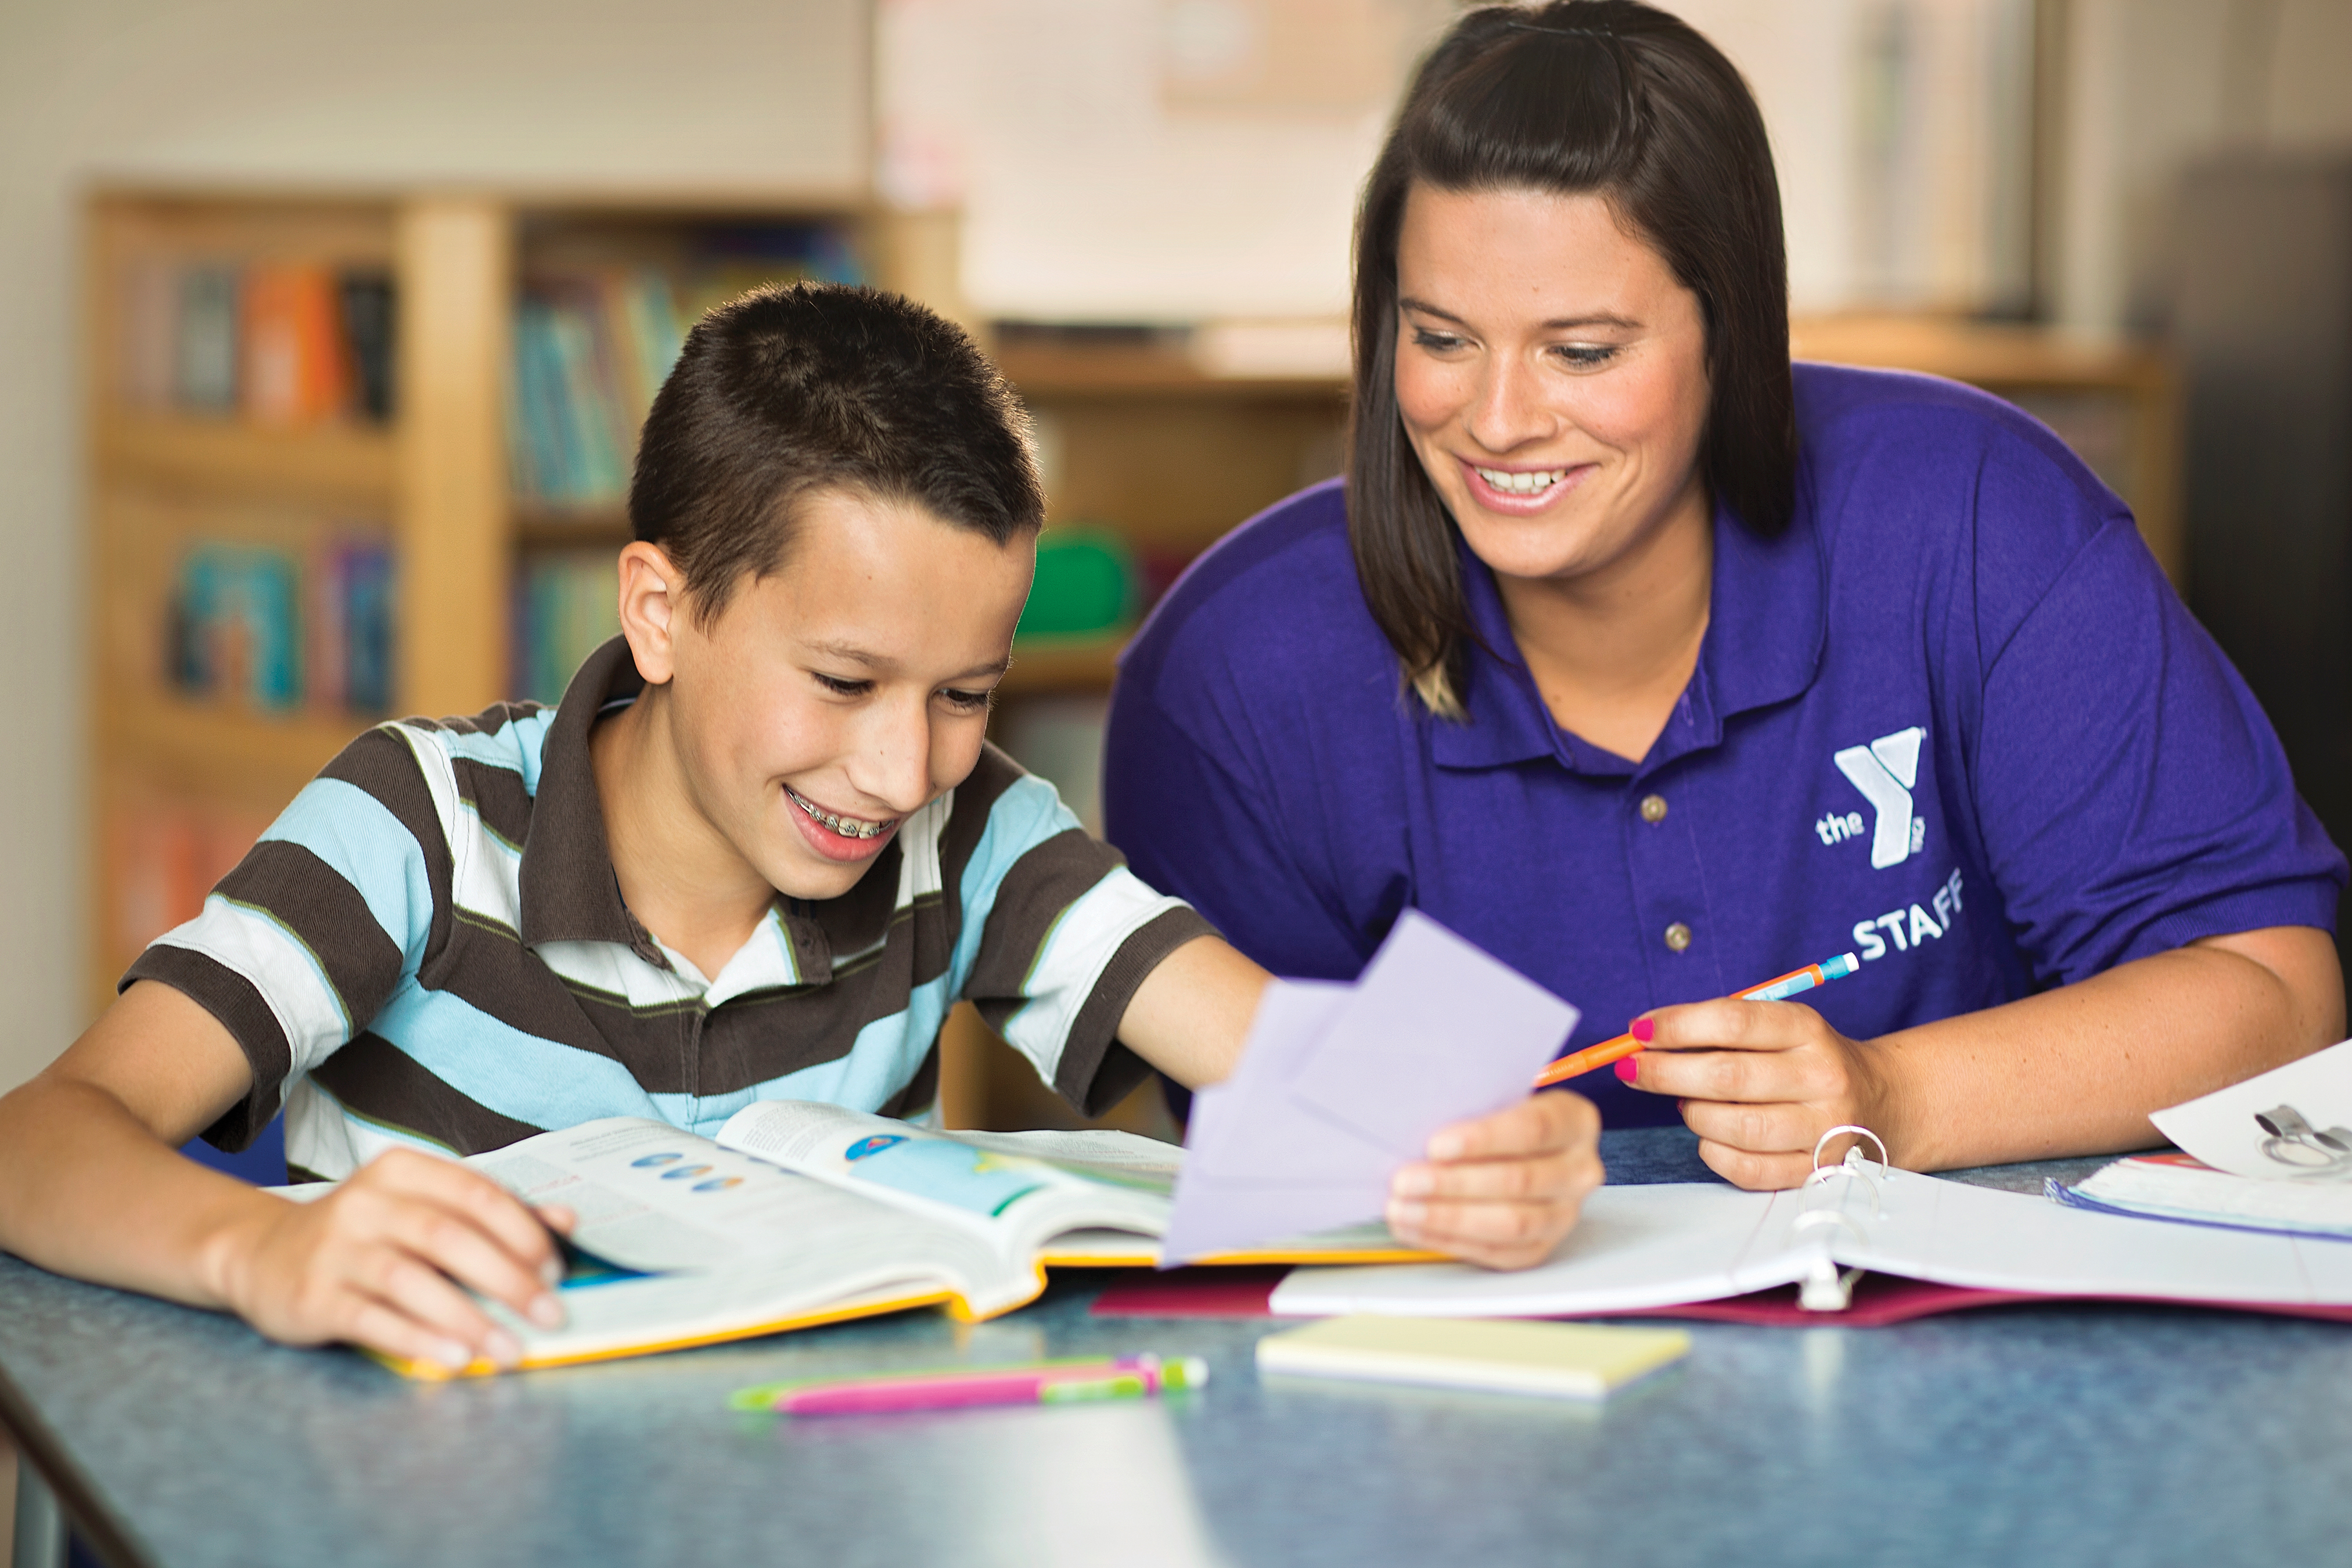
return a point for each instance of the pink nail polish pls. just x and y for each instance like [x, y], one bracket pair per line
[1627, 1068]
[1642, 1029]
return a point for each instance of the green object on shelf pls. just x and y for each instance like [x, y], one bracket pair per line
[1086, 582]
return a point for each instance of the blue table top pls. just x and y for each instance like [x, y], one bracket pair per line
[2099, 1433]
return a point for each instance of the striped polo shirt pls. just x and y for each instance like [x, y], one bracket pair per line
[429, 950]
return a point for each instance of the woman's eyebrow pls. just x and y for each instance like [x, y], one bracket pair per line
[1556, 324]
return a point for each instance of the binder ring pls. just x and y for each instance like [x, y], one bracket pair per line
[1824, 1175]
[1885, 1167]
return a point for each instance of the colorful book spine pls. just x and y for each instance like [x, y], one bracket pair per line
[593, 347]
[284, 344]
[566, 607]
[295, 371]
[247, 623]
[164, 857]
[206, 337]
[370, 318]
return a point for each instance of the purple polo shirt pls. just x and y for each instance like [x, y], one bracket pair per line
[1954, 720]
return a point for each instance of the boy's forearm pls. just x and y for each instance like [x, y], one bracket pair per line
[86, 1189]
[1190, 1015]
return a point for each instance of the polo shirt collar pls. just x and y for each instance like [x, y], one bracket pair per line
[569, 891]
[1763, 646]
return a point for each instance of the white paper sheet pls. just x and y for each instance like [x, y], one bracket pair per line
[2292, 1122]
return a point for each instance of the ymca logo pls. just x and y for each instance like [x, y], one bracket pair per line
[1885, 771]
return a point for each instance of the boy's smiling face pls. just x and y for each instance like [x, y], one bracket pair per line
[831, 698]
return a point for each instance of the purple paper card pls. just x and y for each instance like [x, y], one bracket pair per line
[1436, 1031]
[1246, 1129]
[1212, 1216]
[1339, 1085]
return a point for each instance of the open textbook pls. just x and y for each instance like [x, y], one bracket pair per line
[799, 1213]
[1671, 1244]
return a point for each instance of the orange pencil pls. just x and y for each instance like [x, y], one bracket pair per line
[1576, 1063]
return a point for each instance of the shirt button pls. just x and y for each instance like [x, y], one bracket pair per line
[1678, 936]
[1653, 809]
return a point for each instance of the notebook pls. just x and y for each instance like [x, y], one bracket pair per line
[2271, 1153]
[1649, 1247]
[2183, 1188]
[1561, 1361]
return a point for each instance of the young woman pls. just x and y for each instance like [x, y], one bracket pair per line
[1659, 669]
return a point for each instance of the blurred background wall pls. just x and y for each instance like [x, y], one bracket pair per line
[1120, 166]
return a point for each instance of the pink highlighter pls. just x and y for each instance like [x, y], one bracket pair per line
[1065, 1383]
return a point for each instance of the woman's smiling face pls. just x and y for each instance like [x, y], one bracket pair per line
[1551, 374]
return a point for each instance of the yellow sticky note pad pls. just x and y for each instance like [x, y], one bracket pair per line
[1559, 1361]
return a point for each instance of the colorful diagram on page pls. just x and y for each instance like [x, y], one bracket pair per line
[946, 1172]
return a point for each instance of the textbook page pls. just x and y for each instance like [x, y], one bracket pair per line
[1015, 1200]
[722, 1243]
[655, 1199]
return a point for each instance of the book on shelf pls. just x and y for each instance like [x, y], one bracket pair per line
[295, 368]
[277, 631]
[593, 345]
[797, 1213]
[166, 856]
[235, 624]
[283, 343]
[205, 335]
[567, 604]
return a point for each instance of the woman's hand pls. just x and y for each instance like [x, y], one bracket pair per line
[385, 1260]
[1503, 1190]
[1760, 1083]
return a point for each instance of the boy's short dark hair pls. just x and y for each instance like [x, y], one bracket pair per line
[818, 387]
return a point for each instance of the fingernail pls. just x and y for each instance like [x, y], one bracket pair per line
[1445, 1146]
[454, 1356]
[1629, 1067]
[550, 1273]
[546, 1311]
[502, 1348]
[1413, 1181]
[1642, 1029]
[1408, 1216]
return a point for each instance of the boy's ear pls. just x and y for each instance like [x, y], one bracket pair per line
[653, 600]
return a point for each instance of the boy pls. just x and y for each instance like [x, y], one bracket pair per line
[757, 851]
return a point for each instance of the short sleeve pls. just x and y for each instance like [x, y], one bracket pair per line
[1061, 934]
[304, 941]
[2131, 793]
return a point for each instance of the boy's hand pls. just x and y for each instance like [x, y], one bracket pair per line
[384, 1262]
[1504, 1190]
